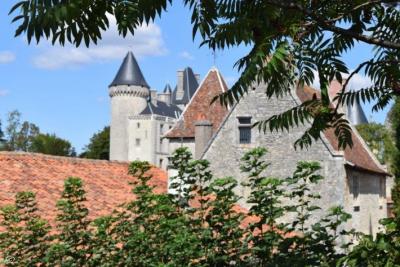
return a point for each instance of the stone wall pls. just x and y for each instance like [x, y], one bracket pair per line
[224, 151]
[366, 202]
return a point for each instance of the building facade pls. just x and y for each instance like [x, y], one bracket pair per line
[147, 125]
[140, 116]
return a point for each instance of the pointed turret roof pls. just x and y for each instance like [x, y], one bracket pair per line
[199, 107]
[129, 73]
[356, 114]
[167, 89]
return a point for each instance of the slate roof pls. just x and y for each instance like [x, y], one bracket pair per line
[129, 73]
[167, 89]
[359, 155]
[199, 107]
[162, 109]
[106, 182]
[356, 114]
[190, 86]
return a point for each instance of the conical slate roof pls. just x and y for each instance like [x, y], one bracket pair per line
[167, 89]
[356, 114]
[129, 73]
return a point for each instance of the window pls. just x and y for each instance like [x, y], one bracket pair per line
[138, 125]
[161, 129]
[137, 142]
[244, 130]
[161, 163]
[382, 187]
[356, 186]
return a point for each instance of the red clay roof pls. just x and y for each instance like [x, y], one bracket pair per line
[359, 154]
[106, 182]
[199, 107]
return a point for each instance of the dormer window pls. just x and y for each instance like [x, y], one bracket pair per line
[244, 130]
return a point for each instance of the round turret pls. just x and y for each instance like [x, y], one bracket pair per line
[129, 94]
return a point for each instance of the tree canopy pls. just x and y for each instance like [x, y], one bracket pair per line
[52, 145]
[292, 43]
[26, 136]
[99, 145]
[380, 141]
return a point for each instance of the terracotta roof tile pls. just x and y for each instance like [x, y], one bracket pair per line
[199, 107]
[359, 154]
[106, 182]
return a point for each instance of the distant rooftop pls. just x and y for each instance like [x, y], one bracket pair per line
[129, 73]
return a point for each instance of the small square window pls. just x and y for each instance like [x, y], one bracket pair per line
[356, 208]
[245, 135]
[137, 142]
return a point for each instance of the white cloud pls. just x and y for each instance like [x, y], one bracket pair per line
[186, 55]
[3, 92]
[357, 82]
[147, 41]
[6, 57]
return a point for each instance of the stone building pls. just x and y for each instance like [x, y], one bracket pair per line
[354, 178]
[150, 126]
[140, 115]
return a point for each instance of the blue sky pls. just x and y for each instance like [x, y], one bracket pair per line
[63, 90]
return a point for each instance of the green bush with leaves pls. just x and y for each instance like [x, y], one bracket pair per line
[200, 224]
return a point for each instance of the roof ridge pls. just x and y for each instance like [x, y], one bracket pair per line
[41, 155]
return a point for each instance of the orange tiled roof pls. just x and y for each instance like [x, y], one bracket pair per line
[106, 182]
[199, 107]
[359, 154]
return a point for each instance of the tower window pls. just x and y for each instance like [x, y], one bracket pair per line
[356, 186]
[137, 142]
[382, 187]
[244, 130]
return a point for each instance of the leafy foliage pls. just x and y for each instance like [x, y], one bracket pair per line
[292, 43]
[200, 224]
[380, 141]
[52, 145]
[26, 136]
[19, 135]
[99, 145]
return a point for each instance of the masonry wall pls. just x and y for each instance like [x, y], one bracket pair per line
[366, 201]
[225, 152]
[145, 139]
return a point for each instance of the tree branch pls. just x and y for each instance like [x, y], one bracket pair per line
[332, 28]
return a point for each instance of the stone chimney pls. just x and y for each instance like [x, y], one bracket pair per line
[153, 97]
[179, 91]
[165, 97]
[202, 135]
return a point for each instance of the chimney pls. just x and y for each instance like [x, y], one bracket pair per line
[197, 78]
[335, 87]
[202, 135]
[153, 97]
[165, 97]
[179, 91]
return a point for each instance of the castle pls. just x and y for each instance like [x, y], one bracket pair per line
[150, 126]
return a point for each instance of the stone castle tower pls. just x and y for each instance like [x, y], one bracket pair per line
[140, 115]
[129, 94]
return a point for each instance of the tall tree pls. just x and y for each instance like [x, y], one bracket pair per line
[52, 145]
[380, 141]
[394, 119]
[19, 135]
[99, 145]
[292, 43]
